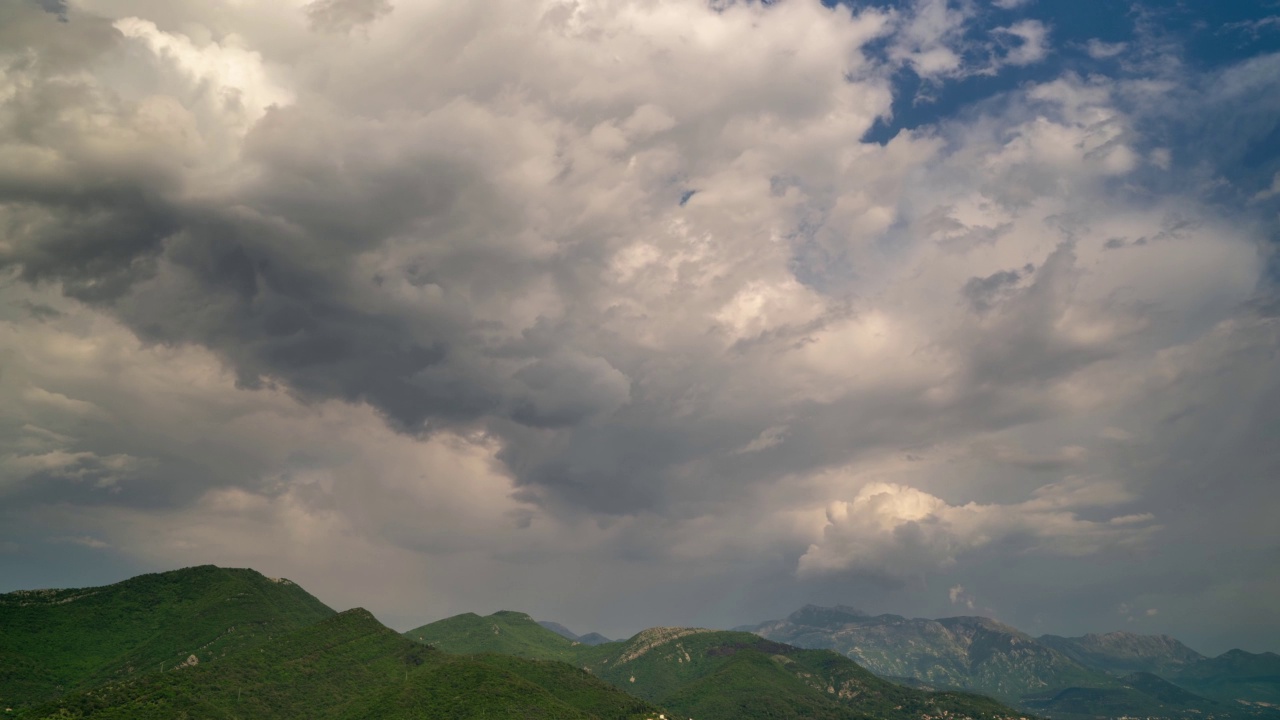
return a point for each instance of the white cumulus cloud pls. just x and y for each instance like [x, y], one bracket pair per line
[901, 533]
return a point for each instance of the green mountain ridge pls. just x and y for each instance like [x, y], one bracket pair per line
[54, 642]
[1141, 694]
[713, 674]
[1235, 676]
[351, 666]
[220, 643]
[504, 632]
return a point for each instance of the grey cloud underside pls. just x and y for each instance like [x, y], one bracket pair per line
[264, 278]
[470, 236]
[343, 15]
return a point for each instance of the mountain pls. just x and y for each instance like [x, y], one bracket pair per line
[504, 632]
[715, 675]
[1140, 694]
[1235, 676]
[1109, 675]
[591, 638]
[58, 641]
[559, 629]
[1123, 652]
[351, 666]
[970, 653]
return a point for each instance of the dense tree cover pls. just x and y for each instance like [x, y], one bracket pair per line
[53, 642]
[351, 666]
[714, 675]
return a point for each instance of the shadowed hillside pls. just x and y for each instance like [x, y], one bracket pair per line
[351, 666]
[57, 641]
[716, 675]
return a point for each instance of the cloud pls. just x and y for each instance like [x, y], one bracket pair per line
[1099, 50]
[83, 540]
[58, 464]
[345, 15]
[1054, 460]
[424, 287]
[1253, 28]
[940, 39]
[959, 596]
[931, 38]
[1269, 192]
[1031, 37]
[898, 533]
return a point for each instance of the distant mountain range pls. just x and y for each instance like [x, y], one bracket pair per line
[591, 638]
[1110, 675]
[1124, 652]
[219, 643]
[214, 643]
[713, 674]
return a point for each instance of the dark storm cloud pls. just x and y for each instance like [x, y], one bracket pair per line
[982, 293]
[34, 25]
[96, 248]
[266, 279]
[480, 234]
[40, 311]
[277, 318]
[57, 7]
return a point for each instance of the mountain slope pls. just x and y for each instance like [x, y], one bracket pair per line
[591, 638]
[969, 653]
[1122, 652]
[1141, 694]
[58, 641]
[1108, 675]
[715, 675]
[504, 632]
[351, 666]
[1235, 676]
[559, 629]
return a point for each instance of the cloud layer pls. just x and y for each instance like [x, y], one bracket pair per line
[621, 288]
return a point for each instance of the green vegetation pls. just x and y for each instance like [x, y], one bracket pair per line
[229, 644]
[714, 675]
[1140, 695]
[351, 666]
[54, 642]
[504, 632]
[1235, 676]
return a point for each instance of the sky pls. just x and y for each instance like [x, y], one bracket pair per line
[627, 313]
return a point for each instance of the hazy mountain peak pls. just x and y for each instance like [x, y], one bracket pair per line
[513, 615]
[559, 629]
[1125, 652]
[593, 638]
[978, 622]
[820, 616]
